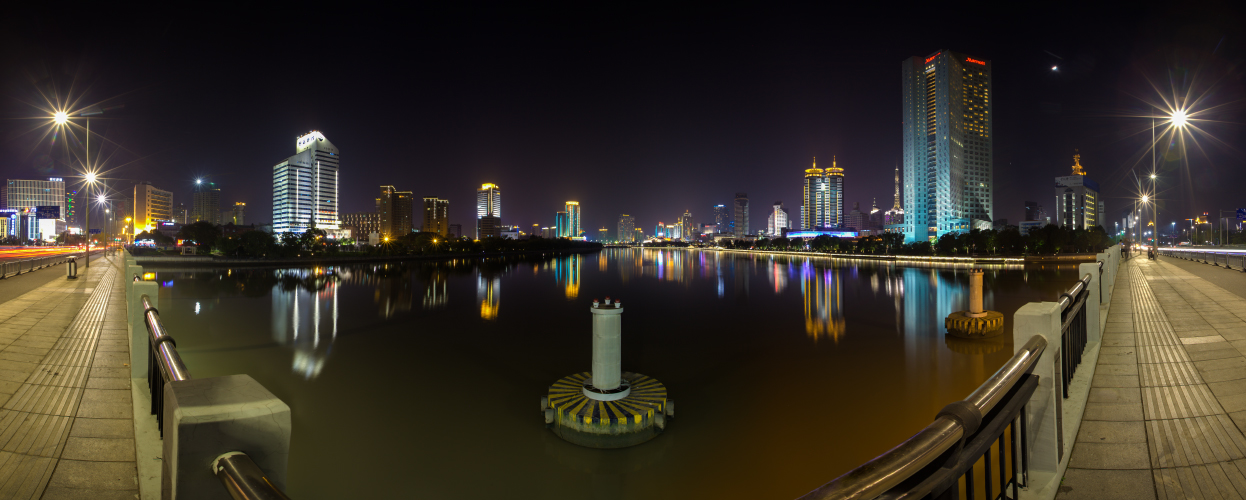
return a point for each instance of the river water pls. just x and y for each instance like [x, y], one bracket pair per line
[422, 379]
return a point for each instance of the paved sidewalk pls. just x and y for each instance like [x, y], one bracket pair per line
[1168, 401]
[66, 419]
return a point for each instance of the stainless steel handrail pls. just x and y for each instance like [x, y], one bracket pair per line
[243, 479]
[162, 344]
[888, 470]
[1066, 299]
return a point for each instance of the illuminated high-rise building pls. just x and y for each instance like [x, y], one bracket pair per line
[947, 144]
[721, 219]
[151, 207]
[823, 204]
[573, 219]
[436, 216]
[740, 221]
[1078, 203]
[561, 224]
[396, 209]
[237, 215]
[27, 196]
[627, 228]
[778, 221]
[895, 216]
[488, 204]
[207, 203]
[687, 230]
[305, 187]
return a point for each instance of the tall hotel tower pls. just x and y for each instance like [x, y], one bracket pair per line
[823, 205]
[305, 187]
[488, 210]
[947, 144]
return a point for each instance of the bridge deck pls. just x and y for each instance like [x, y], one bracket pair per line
[1167, 405]
[66, 417]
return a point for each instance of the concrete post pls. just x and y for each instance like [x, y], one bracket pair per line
[975, 294]
[1045, 426]
[607, 345]
[138, 329]
[1093, 334]
[207, 417]
[130, 271]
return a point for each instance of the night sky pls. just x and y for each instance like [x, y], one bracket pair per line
[641, 111]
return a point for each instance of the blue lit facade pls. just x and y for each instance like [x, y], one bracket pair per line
[305, 187]
[947, 144]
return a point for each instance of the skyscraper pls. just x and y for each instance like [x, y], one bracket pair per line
[151, 207]
[947, 144]
[740, 221]
[573, 219]
[896, 214]
[687, 230]
[1078, 203]
[778, 221]
[436, 216]
[823, 205]
[562, 224]
[488, 204]
[627, 228]
[305, 187]
[721, 218]
[207, 203]
[238, 215]
[396, 209]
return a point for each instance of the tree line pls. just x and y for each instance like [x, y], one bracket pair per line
[1048, 240]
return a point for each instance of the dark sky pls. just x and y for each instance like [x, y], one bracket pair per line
[640, 111]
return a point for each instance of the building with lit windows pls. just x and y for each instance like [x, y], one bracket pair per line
[721, 218]
[237, 214]
[151, 207]
[305, 187]
[488, 204]
[778, 221]
[436, 216]
[573, 219]
[26, 196]
[823, 204]
[660, 231]
[396, 209]
[627, 228]
[739, 224]
[946, 127]
[1078, 203]
[207, 202]
[561, 224]
[893, 219]
[362, 224]
[687, 230]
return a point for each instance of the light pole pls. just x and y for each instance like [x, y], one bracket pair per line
[61, 118]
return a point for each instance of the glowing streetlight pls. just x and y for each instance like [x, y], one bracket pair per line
[1152, 176]
[198, 181]
[1179, 118]
[60, 117]
[1145, 198]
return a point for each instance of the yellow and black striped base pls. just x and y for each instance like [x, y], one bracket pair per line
[607, 424]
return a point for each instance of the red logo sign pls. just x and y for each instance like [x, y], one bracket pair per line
[975, 61]
[931, 58]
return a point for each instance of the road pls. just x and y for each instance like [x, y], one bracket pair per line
[19, 253]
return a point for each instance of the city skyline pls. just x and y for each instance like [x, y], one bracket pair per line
[1055, 95]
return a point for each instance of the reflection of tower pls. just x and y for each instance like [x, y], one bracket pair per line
[824, 301]
[778, 276]
[393, 294]
[567, 273]
[435, 294]
[305, 318]
[488, 292]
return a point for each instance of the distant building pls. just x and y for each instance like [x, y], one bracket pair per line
[151, 207]
[627, 228]
[362, 224]
[856, 218]
[740, 221]
[1026, 226]
[946, 123]
[181, 215]
[1031, 210]
[876, 216]
[686, 228]
[396, 209]
[659, 231]
[823, 204]
[489, 226]
[26, 196]
[778, 221]
[436, 216]
[237, 215]
[1078, 203]
[305, 187]
[722, 219]
[488, 204]
[573, 219]
[603, 235]
[1000, 224]
[71, 213]
[456, 230]
[562, 224]
[640, 235]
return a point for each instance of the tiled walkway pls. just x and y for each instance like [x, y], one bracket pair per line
[66, 419]
[1168, 401]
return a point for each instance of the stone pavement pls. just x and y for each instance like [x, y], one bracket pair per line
[1167, 404]
[66, 417]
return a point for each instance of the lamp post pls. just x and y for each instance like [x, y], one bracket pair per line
[61, 118]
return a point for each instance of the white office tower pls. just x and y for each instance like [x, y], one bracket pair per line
[305, 187]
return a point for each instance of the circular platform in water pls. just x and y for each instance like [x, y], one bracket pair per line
[607, 424]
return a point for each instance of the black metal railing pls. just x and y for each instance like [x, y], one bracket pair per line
[978, 444]
[243, 480]
[1073, 330]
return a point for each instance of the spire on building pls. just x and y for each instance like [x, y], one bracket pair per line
[897, 205]
[834, 170]
[1077, 164]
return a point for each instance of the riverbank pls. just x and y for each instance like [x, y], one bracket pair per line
[206, 261]
[1028, 259]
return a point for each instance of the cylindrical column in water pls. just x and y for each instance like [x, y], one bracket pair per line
[975, 294]
[607, 345]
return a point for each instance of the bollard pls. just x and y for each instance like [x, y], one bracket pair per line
[975, 294]
[607, 345]
[71, 268]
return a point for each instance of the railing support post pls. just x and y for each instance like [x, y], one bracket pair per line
[139, 338]
[1045, 439]
[207, 417]
[1092, 301]
[130, 272]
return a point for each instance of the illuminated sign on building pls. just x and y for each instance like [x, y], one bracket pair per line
[931, 58]
[975, 61]
[815, 234]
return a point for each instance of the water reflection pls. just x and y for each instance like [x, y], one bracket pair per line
[567, 274]
[824, 302]
[489, 293]
[306, 305]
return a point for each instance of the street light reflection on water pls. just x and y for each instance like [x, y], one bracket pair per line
[789, 369]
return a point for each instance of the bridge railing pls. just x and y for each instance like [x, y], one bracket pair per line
[1227, 260]
[228, 430]
[15, 267]
[1009, 433]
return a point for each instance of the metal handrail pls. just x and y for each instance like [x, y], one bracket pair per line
[242, 478]
[31, 263]
[1067, 298]
[888, 470]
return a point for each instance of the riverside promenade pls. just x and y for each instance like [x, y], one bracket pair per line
[66, 413]
[1167, 405]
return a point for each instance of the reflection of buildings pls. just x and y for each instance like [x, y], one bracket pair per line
[824, 302]
[567, 273]
[778, 276]
[305, 316]
[488, 292]
[435, 294]
[393, 293]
